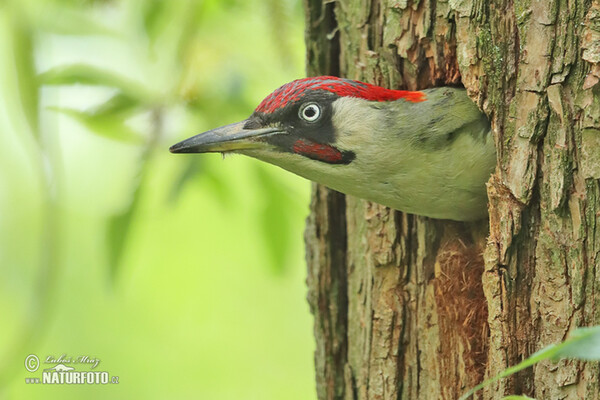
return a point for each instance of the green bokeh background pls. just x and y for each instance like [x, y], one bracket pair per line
[183, 274]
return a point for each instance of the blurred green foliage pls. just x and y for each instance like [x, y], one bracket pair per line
[182, 274]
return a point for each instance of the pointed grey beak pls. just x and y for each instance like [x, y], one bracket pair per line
[226, 138]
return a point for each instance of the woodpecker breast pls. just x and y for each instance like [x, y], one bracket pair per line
[428, 152]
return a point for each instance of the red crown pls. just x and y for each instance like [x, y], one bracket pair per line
[294, 90]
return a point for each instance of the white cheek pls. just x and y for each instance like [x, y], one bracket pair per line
[355, 122]
[359, 128]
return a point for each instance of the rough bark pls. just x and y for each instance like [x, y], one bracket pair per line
[413, 308]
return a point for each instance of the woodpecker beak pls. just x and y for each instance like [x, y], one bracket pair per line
[226, 138]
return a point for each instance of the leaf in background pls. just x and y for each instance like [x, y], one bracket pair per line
[23, 58]
[109, 126]
[172, 44]
[91, 75]
[67, 20]
[191, 170]
[154, 16]
[119, 105]
[118, 230]
[189, 27]
[220, 187]
[120, 225]
[276, 219]
[514, 397]
[158, 17]
[194, 171]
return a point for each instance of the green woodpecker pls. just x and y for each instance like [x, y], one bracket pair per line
[424, 152]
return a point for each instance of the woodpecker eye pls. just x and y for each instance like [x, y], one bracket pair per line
[310, 112]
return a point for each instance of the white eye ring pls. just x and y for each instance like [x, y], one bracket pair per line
[310, 112]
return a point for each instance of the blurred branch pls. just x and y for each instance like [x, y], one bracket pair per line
[280, 22]
[45, 161]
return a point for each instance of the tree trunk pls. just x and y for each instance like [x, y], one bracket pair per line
[408, 307]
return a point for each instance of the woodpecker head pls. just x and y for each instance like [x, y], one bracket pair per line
[426, 153]
[308, 124]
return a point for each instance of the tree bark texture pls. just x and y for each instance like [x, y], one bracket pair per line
[408, 307]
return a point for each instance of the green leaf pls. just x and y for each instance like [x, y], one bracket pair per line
[582, 344]
[166, 40]
[189, 173]
[276, 219]
[515, 397]
[66, 20]
[110, 127]
[118, 231]
[155, 17]
[119, 105]
[219, 187]
[92, 75]
[189, 28]
[23, 59]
